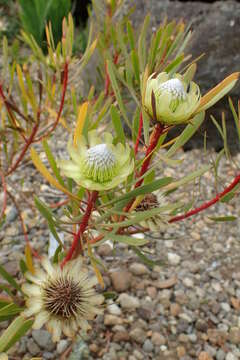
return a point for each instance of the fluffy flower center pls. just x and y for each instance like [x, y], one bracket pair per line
[175, 88]
[62, 297]
[100, 163]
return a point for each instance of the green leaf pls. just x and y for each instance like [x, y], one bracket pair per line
[142, 50]
[14, 332]
[150, 263]
[223, 218]
[8, 311]
[110, 295]
[235, 117]
[130, 240]
[9, 278]
[117, 124]
[52, 162]
[187, 133]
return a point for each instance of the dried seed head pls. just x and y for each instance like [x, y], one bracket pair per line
[62, 297]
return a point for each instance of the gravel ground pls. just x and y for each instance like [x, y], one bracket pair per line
[187, 307]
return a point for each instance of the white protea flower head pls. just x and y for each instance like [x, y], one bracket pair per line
[62, 299]
[170, 100]
[99, 166]
[157, 222]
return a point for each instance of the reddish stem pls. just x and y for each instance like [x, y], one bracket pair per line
[209, 203]
[139, 134]
[82, 227]
[4, 185]
[157, 132]
[65, 82]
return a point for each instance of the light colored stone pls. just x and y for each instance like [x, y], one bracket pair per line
[234, 335]
[204, 356]
[175, 309]
[158, 339]
[62, 346]
[225, 306]
[188, 282]
[128, 302]
[114, 309]
[138, 335]
[148, 346]
[138, 269]
[112, 320]
[173, 259]
[181, 351]
[43, 339]
[230, 356]
[121, 280]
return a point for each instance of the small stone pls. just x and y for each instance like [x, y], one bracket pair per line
[220, 355]
[175, 309]
[173, 258]
[181, 351]
[138, 269]
[225, 306]
[138, 335]
[234, 335]
[235, 303]
[217, 337]
[204, 356]
[183, 338]
[93, 348]
[114, 309]
[152, 292]
[158, 339]
[148, 346]
[32, 347]
[230, 356]
[188, 282]
[121, 336]
[166, 284]
[128, 302]
[62, 346]
[112, 320]
[201, 325]
[43, 339]
[48, 355]
[138, 355]
[121, 280]
[12, 267]
[104, 250]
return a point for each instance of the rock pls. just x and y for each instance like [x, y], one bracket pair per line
[148, 346]
[112, 320]
[93, 348]
[234, 335]
[43, 339]
[128, 302]
[121, 336]
[12, 267]
[225, 306]
[217, 337]
[181, 351]
[173, 258]
[175, 309]
[204, 356]
[230, 356]
[114, 309]
[48, 355]
[62, 346]
[152, 292]
[121, 280]
[201, 325]
[235, 303]
[188, 282]
[32, 347]
[220, 355]
[104, 250]
[138, 335]
[158, 339]
[166, 284]
[138, 269]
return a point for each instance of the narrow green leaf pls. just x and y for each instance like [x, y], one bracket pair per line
[150, 263]
[9, 278]
[222, 218]
[117, 124]
[130, 240]
[52, 162]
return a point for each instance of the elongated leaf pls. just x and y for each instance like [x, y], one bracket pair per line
[150, 263]
[222, 218]
[235, 117]
[9, 278]
[10, 310]
[218, 92]
[187, 133]
[29, 260]
[130, 240]
[117, 124]
[82, 112]
[14, 332]
[52, 162]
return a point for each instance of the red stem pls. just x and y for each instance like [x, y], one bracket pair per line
[65, 82]
[209, 203]
[157, 132]
[139, 134]
[82, 227]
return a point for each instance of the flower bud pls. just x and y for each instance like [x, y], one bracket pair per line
[170, 100]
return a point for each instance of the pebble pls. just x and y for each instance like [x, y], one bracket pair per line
[204, 356]
[234, 335]
[230, 356]
[62, 346]
[121, 280]
[225, 306]
[158, 339]
[148, 346]
[188, 282]
[121, 336]
[43, 339]
[112, 320]
[104, 250]
[138, 335]
[128, 302]
[181, 351]
[173, 259]
[175, 309]
[114, 309]
[32, 347]
[138, 269]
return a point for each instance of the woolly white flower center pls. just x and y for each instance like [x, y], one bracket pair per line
[100, 163]
[175, 88]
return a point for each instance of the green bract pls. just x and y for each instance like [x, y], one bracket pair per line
[101, 166]
[174, 100]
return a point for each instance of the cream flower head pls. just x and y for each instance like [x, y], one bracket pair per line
[174, 99]
[101, 166]
[63, 299]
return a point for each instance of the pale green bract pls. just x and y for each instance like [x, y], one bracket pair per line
[101, 166]
[174, 99]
